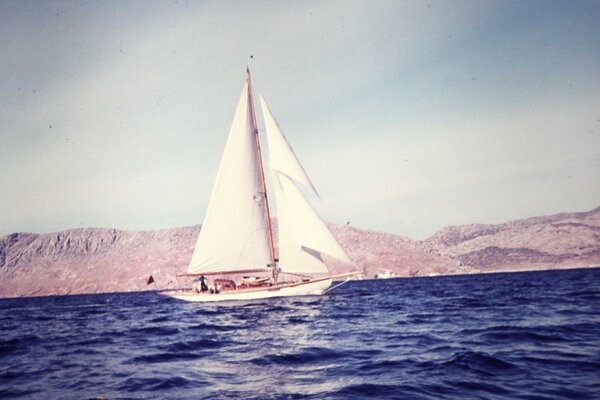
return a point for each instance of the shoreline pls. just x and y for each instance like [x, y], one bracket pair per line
[510, 271]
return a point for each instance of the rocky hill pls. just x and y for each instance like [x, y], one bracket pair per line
[95, 260]
[557, 241]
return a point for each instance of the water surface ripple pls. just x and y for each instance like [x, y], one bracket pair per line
[533, 335]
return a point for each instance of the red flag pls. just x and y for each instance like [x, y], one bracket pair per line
[149, 280]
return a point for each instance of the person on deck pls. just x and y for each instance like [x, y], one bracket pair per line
[203, 286]
[199, 285]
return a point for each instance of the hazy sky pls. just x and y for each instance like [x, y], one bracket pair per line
[408, 116]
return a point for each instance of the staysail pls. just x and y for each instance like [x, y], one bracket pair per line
[303, 236]
[234, 233]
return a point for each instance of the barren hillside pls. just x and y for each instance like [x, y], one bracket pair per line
[95, 260]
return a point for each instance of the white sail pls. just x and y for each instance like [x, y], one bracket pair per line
[233, 235]
[281, 156]
[303, 236]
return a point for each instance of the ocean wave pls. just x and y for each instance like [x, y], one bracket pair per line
[305, 356]
[527, 336]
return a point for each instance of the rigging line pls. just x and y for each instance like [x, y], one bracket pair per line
[336, 286]
[246, 244]
[260, 167]
[294, 274]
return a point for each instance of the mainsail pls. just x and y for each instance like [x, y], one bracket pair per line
[303, 236]
[234, 234]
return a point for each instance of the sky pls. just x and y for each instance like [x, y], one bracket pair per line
[407, 116]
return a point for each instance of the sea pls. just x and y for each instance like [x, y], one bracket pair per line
[530, 335]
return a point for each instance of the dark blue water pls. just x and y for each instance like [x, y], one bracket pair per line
[503, 336]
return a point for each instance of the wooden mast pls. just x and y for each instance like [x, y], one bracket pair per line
[263, 185]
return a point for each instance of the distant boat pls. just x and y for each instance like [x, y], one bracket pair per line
[237, 237]
[385, 275]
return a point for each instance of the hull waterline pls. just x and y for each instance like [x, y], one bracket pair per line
[314, 287]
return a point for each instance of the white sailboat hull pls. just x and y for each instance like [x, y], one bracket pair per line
[313, 287]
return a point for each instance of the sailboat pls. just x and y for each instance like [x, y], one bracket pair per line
[236, 238]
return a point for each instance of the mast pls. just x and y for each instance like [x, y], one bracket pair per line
[263, 185]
